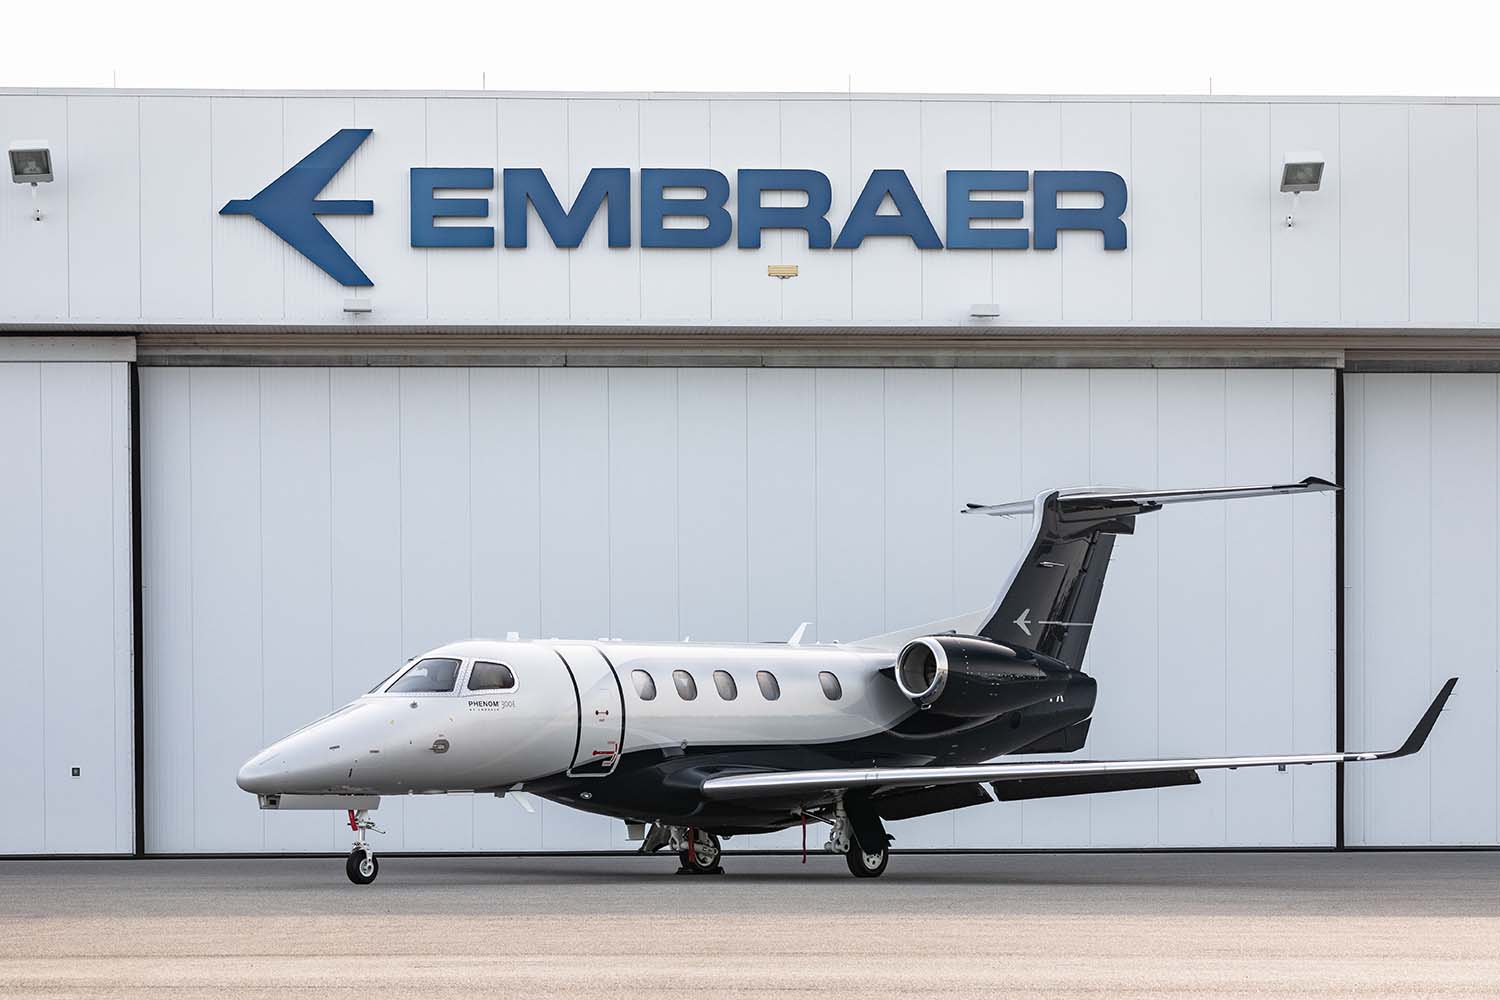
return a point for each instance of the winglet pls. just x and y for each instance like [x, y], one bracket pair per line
[1424, 725]
[796, 639]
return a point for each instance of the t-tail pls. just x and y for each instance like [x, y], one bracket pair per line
[1050, 601]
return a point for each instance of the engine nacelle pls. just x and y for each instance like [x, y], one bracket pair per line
[965, 677]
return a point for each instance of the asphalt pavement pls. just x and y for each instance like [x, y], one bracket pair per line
[1359, 924]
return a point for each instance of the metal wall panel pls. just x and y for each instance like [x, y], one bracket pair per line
[955, 136]
[34, 271]
[745, 135]
[1166, 234]
[676, 285]
[65, 612]
[466, 288]
[246, 154]
[1027, 283]
[886, 275]
[1374, 276]
[1444, 186]
[535, 282]
[1305, 255]
[1421, 538]
[604, 281]
[816, 135]
[1094, 137]
[1236, 210]
[177, 209]
[104, 231]
[343, 520]
[306, 125]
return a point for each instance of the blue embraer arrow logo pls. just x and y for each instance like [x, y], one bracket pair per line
[289, 207]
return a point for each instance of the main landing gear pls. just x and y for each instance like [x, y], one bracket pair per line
[362, 866]
[860, 837]
[699, 852]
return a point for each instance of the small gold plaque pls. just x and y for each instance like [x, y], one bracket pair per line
[781, 270]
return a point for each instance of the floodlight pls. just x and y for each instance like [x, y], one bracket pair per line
[30, 162]
[1300, 172]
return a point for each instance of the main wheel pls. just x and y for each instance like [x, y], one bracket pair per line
[867, 864]
[361, 867]
[704, 857]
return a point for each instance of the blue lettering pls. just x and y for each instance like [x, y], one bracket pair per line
[427, 206]
[810, 218]
[1105, 219]
[910, 219]
[962, 210]
[567, 229]
[656, 208]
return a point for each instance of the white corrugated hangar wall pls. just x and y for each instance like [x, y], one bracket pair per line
[307, 529]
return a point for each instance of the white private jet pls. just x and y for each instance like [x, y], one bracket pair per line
[692, 742]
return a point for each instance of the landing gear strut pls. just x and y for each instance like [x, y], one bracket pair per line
[362, 866]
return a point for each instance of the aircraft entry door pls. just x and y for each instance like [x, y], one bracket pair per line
[601, 712]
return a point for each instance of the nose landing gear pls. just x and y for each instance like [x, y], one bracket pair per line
[362, 866]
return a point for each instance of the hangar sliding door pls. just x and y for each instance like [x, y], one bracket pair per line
[307, 529]
[1423, 602]
[67, 785]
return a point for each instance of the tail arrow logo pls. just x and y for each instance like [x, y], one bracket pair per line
[289, 207]
[1024, 622]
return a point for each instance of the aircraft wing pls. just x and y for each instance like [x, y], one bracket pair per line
[780, 784]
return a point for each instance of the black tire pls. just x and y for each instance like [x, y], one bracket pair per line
[867, 864]
[361, 867]
[705, 855]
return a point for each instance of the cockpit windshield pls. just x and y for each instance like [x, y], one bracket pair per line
[434, 674]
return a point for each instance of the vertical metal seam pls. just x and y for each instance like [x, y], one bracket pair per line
[1340, 689]
[137, 600]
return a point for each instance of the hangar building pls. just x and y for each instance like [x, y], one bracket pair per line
[258, 450]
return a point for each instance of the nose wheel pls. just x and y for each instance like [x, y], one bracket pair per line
[362, 866]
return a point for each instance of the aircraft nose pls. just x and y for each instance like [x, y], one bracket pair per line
[259, 774]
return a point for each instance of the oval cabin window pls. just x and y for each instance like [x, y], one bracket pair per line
[832, 689]
[687, 688]
[645, 686]
[769, 688]
[725, 683]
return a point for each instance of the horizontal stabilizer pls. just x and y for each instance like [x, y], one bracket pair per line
[1102, 498]
[772, 784]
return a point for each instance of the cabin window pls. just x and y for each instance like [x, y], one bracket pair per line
[490, 677]
[432, 675]
[687, 688]
[832, 689]
[645, 685]
[769, 688]
[725, 684]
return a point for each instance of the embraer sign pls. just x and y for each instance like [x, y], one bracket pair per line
[289, 207]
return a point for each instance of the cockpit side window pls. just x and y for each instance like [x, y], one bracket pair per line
[432, 675]
[487, 676]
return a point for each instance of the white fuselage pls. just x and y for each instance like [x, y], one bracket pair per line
[577, 708]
